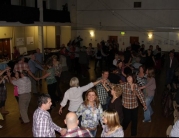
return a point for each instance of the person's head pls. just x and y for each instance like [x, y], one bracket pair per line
[71, 120]
[105, 74]
[17, 74]
[38, 50]
[113, 69]
[151, 47]
[131, 78]
[150, 73]
[149, 51]
[74, 82]
[32, 56]
[119, 63]
[54, 58]
[116, 56]
[157, 46]
[24, 73]
[90, 44]
[116, 91]
[171, 54]
[49, 63]
[142, 69]
[20, 59]
[111, 119]
[91, 96]
[44, 102]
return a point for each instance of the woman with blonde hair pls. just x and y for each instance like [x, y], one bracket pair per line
[116, 102]
[74, 94]
[112, 127]
[91, 112]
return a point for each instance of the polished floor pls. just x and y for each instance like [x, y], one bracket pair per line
[12, 126]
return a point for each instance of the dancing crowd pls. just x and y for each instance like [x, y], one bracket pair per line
[112, 100]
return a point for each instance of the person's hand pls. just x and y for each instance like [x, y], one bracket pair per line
[8, 74]
[145, 108]
[63, 131]
[37, 79]
[60, 111]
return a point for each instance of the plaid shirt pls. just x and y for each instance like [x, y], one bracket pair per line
[20, 67]
[43, 125]
[102, 93]
[129, 97]
[78, 132]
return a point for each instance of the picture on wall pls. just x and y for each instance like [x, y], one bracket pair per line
[159, 42]
[177, 42]
[19, 41]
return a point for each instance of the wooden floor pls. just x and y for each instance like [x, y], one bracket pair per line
[12, 126]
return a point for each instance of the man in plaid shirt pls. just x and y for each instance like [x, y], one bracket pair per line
[21, 65]
[102, 92]
[43, 125]
[73, 130]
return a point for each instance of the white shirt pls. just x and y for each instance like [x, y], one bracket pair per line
[23, 84]
[175, 130]
[74, 95]
[115, 62]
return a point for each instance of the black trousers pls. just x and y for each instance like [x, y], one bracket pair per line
[130, 115]
[52, 92]
[58, 89]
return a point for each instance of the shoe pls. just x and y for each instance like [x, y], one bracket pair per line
[25, 122]
[1, 126]
[146, 121]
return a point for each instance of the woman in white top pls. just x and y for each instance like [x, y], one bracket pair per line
[112, 127]
[74, 94]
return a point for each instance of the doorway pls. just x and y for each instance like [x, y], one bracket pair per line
[113, 38]
[5, 47]
[134, 39]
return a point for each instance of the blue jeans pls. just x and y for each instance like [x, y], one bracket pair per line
[149, 111]
[93, 132]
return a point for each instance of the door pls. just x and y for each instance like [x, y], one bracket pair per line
[5, 47]
[57, 41]
[113, 38]
[134, 39]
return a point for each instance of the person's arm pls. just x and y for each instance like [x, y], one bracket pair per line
[149, 83]
[64, 102]
[153, 60]
[101, 113]
[140, 95]
[6, 69]
[45, 75]
[88, 86]
[30, 73]
[79, 111]
[104, 85]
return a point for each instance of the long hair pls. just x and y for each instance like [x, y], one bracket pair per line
[112, 118]
[86, 97]
[151, 73]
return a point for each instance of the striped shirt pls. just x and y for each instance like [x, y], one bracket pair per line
[129, 97]
[78, 132]
[43, 125]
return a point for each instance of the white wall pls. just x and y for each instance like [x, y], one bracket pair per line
[159, 38]
[115, 13]
[65, 35]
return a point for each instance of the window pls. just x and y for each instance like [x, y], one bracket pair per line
[137, 4]
[22, 2]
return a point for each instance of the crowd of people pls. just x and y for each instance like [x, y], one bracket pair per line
[112, 100]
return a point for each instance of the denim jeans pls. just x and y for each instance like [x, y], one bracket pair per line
[93, 132]
[149, 111]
